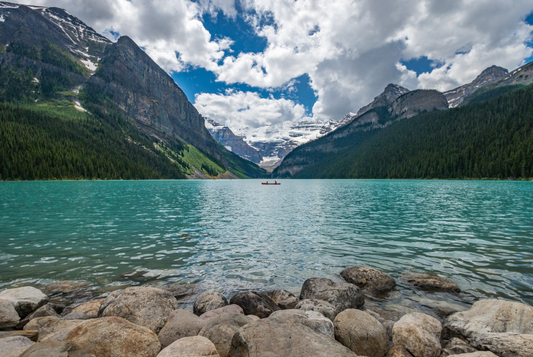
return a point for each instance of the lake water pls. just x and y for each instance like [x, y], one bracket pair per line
[239, 235]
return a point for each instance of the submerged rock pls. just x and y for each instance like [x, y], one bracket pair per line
[431, 282]
[255, 303]
[312, 319]
[196, 346]
[209, 300]
[25, 300]
[180, 324]
[370, 279]
[270, 337]
[148, 307]
[230, 309]
[324, 307]
[283, 298]
[221, 329]
[341, 295]
[14, 346]
[419, 334]
[361, 333]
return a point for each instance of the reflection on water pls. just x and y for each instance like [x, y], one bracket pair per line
[236, 235]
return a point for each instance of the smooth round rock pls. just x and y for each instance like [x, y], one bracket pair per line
[148, 307]
[255, 303]
[341, 295]
[180, 324]
[230, 309]
[90, 308]
[361, 333]
[52, 348]
[419, 334]
[196, 346]
[220, 330]
[283, 298]
[369, 279]
[114, 337]
[324, 307]
[14, 346]
[431, 282]
[269, 337]
[312, 319]
[207, 301]
[51, 327]
[9, 317]
[25, 300]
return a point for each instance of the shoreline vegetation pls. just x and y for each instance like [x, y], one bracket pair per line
[328, 318]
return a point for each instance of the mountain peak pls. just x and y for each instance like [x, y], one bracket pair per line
[390, 94]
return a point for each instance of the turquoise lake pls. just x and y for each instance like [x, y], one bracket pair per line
[238, 235]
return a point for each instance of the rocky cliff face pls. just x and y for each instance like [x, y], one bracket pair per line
[232, 142]
[389, 95]
[492, 74]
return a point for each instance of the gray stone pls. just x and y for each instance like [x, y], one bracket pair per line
[114, 337]
[253, 317]
[369, 279]
[43, 311]
[220, 330]
[14, 346]
[312, 319]
[456, 346]
[255, 303]
[26, 299]
[230, 309]
[324, 307]
[207, 301]
[9, 317]
[51, 327]
[361, 333]
[109, 300]
[341, 295]
[269, 337]
[31, 335]
[283, 298]
[441, 308]
[180, 324]
[475, 354]
[196, 346]
[75, 316]
[90, 308]
[431, 282]
[148, 307]
[419, 334]
[399, 351]
[53, 348]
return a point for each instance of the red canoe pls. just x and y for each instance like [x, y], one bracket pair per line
[273, 183]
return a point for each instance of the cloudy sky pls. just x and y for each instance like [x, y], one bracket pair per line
[254, 62]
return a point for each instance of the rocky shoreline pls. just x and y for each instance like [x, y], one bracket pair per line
[327, 319]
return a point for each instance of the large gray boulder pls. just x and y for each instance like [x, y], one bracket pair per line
[52, 348]
[25, 300]
[431, 282]
[230, 309]
[196, 346]
[207, 301]
[9, 317]
[51, 328]
[255, 303]
[114, 337]
[369, 279]
[269, 337]
[419, 334]
[148, 307]
[312, 319]
[14, 346]
[341, 295]
[503, 327]
[220, 330]
[180, 324]
[283, 298]
[324, 307]
[361, 333]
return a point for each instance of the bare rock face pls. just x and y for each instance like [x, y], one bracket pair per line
[51, 328]
[503, 327]
[230, 309]
[14, 346]
[430, 282]
[148, 307]
[361, 333]
[369, 279]
[25, 300]
[419, 334]
[220, 330]
[255, 303]
[341, 295]
[207, 301]
[269, 337]
[90, 308]
[114, 337]
[9, 317]
[180, 324]
[56, 349]
[312, 319]
[196, 346]
[416, 102]
[283, 298]
[389, 95]
[324, 307]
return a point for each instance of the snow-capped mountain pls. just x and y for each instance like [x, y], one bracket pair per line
[232, 142]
